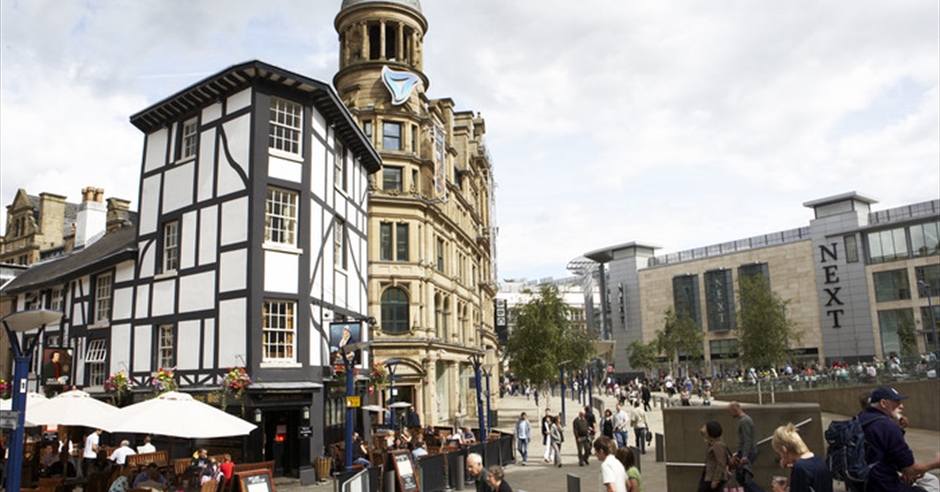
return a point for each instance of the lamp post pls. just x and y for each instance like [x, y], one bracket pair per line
[486, 368]
[561, 365]
[933, 322]
[390, 364]
[19, 322]
[350, 391]
[475, 360]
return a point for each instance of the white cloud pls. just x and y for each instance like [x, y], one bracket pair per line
[679, 123]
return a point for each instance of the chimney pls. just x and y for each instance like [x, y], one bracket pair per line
[91, 220]
[118, 212]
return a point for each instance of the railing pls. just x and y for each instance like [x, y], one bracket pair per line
[773, 239]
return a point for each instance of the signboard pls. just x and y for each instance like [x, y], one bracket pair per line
[342, 334]
[9, 419]
[56, 366]
[256, 481]
[501, 313]
[440, 172]
[352, 402]
[404, 468]
[304, 431]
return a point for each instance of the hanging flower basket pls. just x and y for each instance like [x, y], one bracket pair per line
[118, 385]
[236, 382]
[5, 388]
[339, 373]
[379, 374]
[164, 381]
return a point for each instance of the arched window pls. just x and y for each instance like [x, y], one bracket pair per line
[395, 310]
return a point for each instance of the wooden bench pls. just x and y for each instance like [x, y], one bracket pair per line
[161, 458]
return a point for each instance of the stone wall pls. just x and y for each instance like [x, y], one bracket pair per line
[921, 408]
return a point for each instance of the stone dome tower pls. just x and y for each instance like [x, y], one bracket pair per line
[374, 34]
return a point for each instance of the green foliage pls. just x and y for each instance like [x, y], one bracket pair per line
[542, 338]
[764, 333]
[907, 338]
[642, 355]
[680, 334]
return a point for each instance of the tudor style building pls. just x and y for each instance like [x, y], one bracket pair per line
[251, 239]
[431, 229]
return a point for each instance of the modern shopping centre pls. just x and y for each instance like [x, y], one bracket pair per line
[854, 278]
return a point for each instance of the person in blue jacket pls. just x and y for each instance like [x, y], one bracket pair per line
[894, 467]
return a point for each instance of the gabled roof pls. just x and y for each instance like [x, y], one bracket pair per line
[111, 249]
[237, 78]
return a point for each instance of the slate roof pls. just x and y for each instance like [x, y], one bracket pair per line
[111, 249]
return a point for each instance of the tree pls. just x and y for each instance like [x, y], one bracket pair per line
[764, 333]
[642, 355]
[542, 338]
[680, 335]
[907, 339]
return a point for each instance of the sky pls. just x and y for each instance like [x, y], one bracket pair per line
[678, 124]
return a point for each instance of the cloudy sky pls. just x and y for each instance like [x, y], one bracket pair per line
[677, 123]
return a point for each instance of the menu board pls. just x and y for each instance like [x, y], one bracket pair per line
[256, 481]
[405, 471]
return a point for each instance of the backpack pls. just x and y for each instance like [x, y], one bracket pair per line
[847, 448]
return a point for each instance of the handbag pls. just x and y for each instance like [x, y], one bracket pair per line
[649, 436]
[733, 488]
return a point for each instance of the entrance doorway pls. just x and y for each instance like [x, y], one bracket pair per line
[281, 442]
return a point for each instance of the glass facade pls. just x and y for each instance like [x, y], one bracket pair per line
[891, 285]
[685, 296]
[719, 300]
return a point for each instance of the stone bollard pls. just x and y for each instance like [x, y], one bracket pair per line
[660, 448]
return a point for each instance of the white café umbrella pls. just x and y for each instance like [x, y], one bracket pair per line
[33, 400]
[178, 415]
[73, 408]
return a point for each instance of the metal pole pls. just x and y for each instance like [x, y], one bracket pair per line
[350, 411]
[20, 372]
[563, 395]
[933, 322]
[591, 388]
[391, 394]
[476, 370]
[489, 416]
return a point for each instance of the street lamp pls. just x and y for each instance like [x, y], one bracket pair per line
[390, 364]
[475, 360]
[933, 322]
[14, 323]
[486, 368]
[561, 365]
[350, 391]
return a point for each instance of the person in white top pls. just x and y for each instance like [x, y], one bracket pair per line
[120, 454]
[146, 447]
[613, 475]
[90, 452]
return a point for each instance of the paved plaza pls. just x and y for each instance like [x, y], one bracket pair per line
[538, 476]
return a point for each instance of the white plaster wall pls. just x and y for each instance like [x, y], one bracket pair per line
[208, 347]
[120, 347]
[143, 348]
[211, 113]
[149, 203]
[317, 342]
[164, 297]
[147, 258]
[238, 134]
[234, 221]
[197, 292]
[178, 192]
[187, 352]
[188, 240]
[284, 169]
[280, 271]
[155, 153]
[121, 303]
[318, 123]
[208, 231]
[233, 316]
[124, 272]
[143, 304]
[317, 168]
[239, 100]
[232, 270]
[206, 165]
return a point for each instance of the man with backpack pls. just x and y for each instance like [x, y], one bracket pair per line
[891, 461]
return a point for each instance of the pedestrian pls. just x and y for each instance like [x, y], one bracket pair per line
[645, 395]
[557, 437]
[607, 424]
[747, 448]
[496, 479]
[628, 459]
[582, 438]
[523, 434]
[414, 420]
[808, 472]
[476, 471]
[535, 393]
[715, 473]
[90, 452]
[621, 421]
[613, 474]
[546, 436]
[640, 426]
[893, 468]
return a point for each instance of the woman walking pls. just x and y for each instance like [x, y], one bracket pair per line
[607, 424]
[626, 456]
[716, 459]
[557, 437]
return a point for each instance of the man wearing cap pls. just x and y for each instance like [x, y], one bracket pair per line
[894, 468]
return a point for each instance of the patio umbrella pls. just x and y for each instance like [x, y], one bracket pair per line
[72, 408]
[178, 415]
[33, 399]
